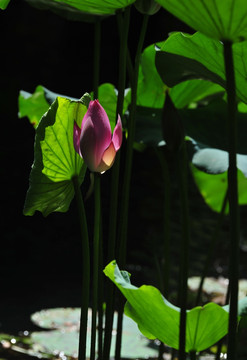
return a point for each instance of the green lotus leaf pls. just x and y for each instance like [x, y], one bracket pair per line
[4, 4]
[158, 318]
[55, 160]
[184, 57]
[78, 10]
[218, 19]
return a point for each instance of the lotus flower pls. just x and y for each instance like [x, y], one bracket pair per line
[94, 142]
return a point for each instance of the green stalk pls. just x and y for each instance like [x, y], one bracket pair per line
[100, 296]
[167, 222]
[129, 148]
[233, 200]
[96, 246]
[122, 28]
[85, 269]
[185, 242]
[211, 249]
[97, 210]
[123, 223]
[110, 288]
[96, 58]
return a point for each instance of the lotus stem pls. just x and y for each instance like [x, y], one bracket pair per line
[85, 269]
[123, 32]
[96, 247]
[233, 200]
[127, 175]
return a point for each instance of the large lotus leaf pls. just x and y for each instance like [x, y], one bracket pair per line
[206, 125]
[148, 126]
[213, 188]
[190, 92]
[55, 160]
[219, 19]
[65, 339]
[157, 318]
[184, 57]
[151, 89]
[98, 6]
[4, 4]
[86, 10]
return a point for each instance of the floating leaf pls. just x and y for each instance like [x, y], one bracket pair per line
[184, 57]
[66, 338]
[157, 318]
[222, 20]
[57, 318]
[55, 160]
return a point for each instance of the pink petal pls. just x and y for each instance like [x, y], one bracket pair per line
[76, 137]
[117, 135]
[107, 159]
[88, 144]
[95, 134]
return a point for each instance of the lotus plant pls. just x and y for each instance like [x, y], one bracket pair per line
[94, 142]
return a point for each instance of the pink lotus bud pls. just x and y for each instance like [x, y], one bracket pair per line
[94, 142]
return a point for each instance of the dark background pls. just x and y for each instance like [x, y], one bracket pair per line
[40, 259]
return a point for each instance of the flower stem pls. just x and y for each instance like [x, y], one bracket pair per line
[129, 148]
[96, 249]
[85, 268]
[123, 223]
[185, 242]
[123, 32]
[96, 58]
[233, 200]
[211, 249]
[167, 221]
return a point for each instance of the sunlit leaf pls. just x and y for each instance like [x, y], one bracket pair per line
[151, 89]
[213, 188]
[33, 105]
[157, 318]
[4, 4]
[219, 19]
[185, 57]
[55, 160]
[189, 92]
